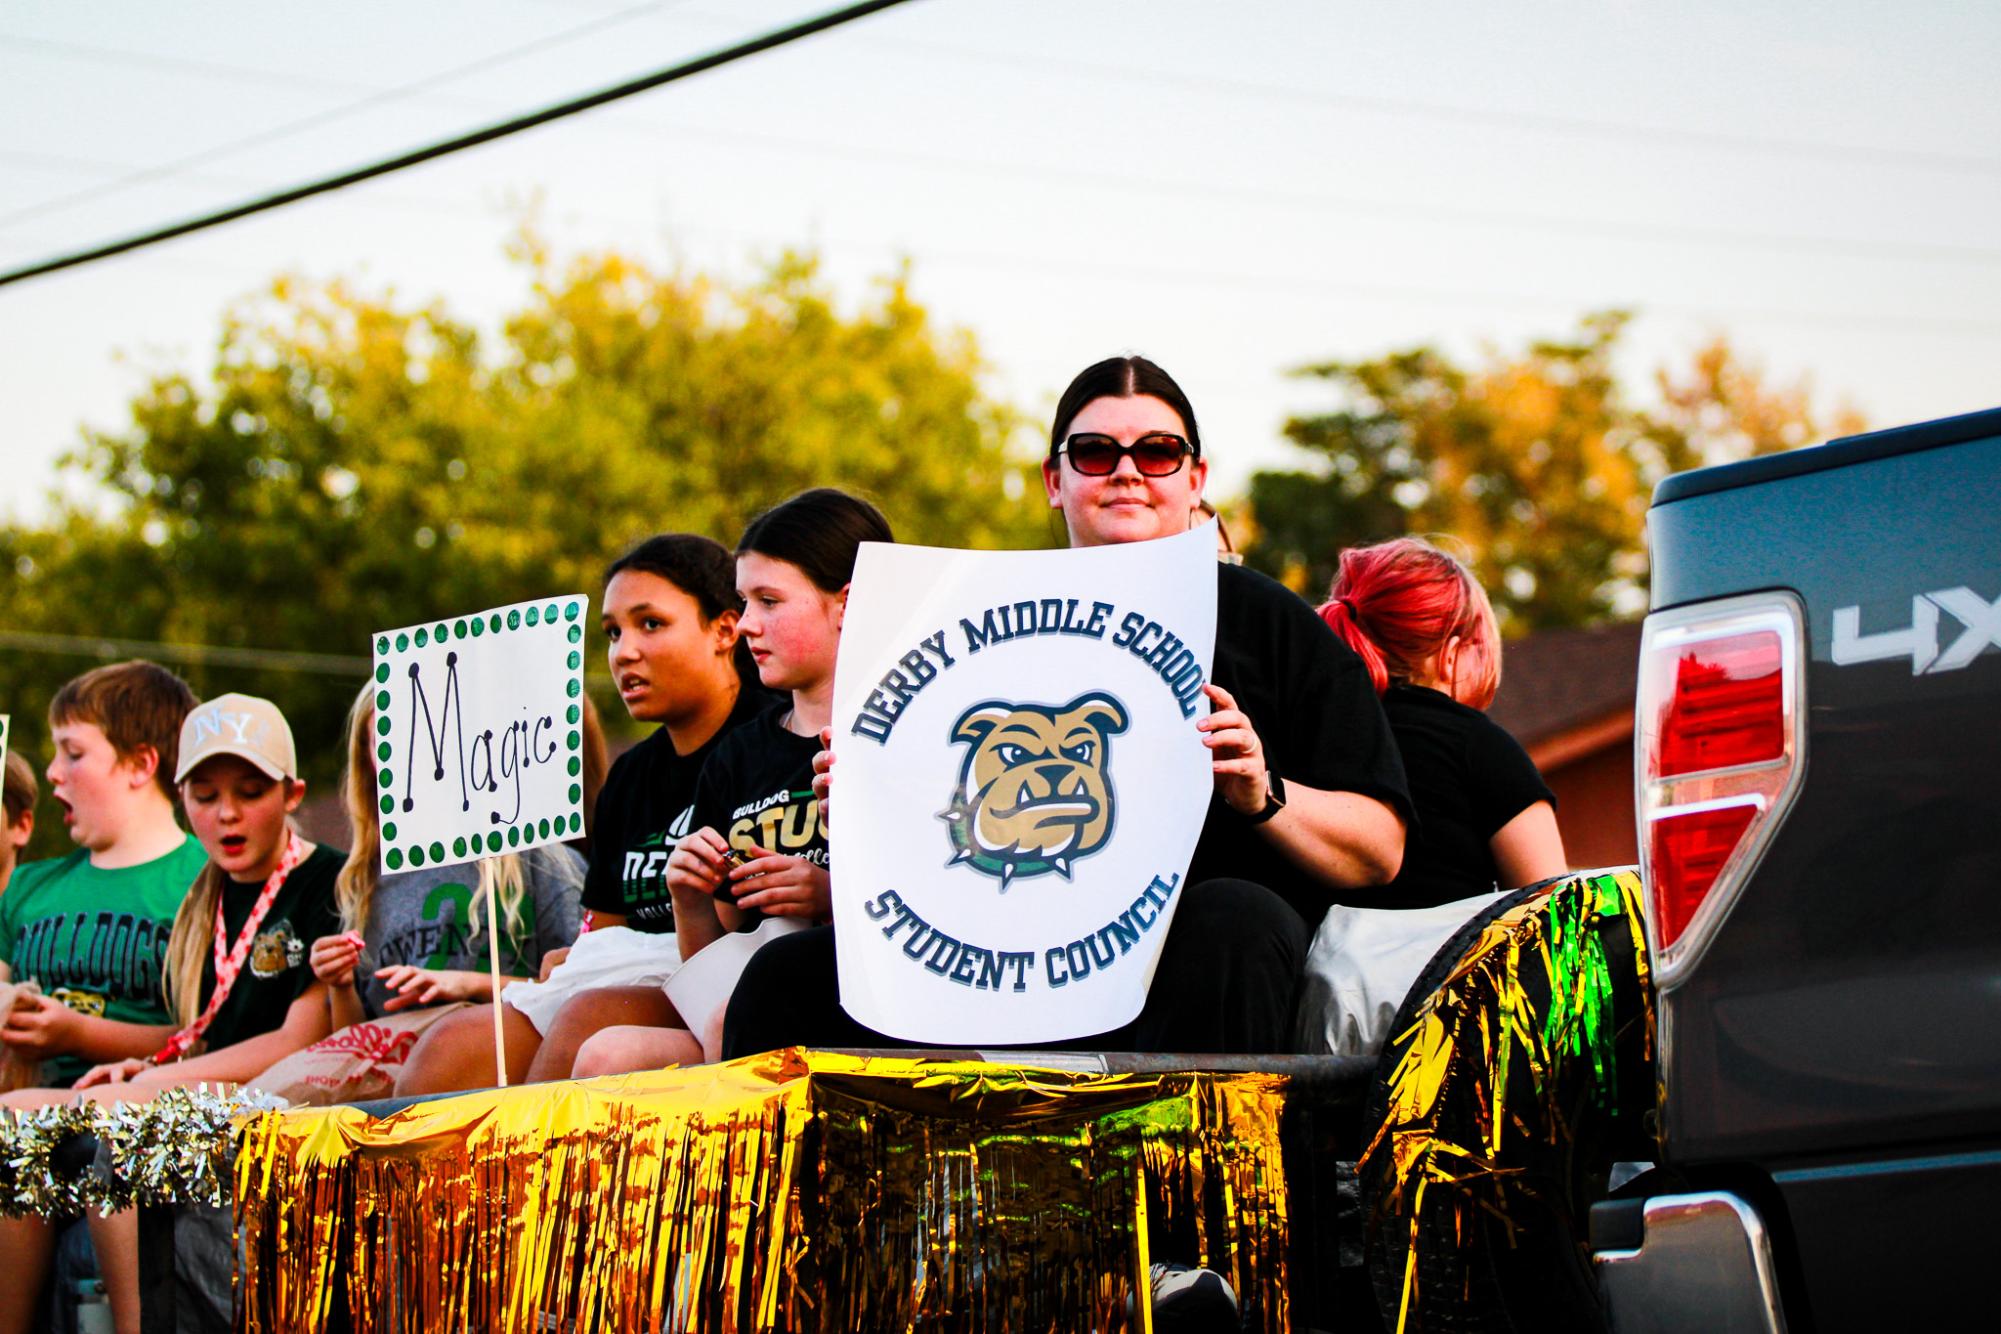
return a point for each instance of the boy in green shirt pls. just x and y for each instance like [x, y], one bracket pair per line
[91, 928]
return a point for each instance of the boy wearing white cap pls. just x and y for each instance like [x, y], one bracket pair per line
[267, 891]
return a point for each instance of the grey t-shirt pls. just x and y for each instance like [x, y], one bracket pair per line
[426, 918]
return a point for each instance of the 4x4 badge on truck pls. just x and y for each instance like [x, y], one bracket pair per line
[1919, 642]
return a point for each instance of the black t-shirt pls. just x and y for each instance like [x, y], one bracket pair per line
[757, 788]
[276, 972]
[1309, 698]
[1468, 778]
[645, 807]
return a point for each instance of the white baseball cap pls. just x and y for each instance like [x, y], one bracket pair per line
[241, 725]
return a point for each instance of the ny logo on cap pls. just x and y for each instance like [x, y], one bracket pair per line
[212, 723]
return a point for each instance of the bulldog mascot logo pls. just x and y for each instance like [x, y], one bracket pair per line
[1035, 792]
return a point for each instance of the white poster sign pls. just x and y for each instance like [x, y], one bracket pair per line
[6, 730]
[1020, 783]
[479, 733]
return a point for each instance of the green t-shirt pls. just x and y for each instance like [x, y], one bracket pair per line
[95, 939]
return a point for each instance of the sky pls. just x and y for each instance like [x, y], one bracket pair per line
[1232, 190]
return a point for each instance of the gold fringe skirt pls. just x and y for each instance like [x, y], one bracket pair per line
[793, 1191]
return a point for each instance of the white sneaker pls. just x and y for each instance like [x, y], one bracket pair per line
[1192, 1301]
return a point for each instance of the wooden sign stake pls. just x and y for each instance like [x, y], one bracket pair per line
[493, 970]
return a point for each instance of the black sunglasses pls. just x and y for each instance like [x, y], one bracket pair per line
[1156, 455]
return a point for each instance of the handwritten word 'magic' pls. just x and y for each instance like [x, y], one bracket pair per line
[491, 759]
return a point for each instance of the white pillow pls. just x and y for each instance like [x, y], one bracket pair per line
[1361, 967]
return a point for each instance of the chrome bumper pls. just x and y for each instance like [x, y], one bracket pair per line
[1705, 1264]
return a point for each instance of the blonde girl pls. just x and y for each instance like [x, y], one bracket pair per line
[411, 945]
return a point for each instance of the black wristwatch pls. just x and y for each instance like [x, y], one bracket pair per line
[1274, 798]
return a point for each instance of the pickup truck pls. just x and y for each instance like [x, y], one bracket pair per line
[1819, 713]
[1756, 1087]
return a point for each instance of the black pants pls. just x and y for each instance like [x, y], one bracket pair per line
[1225, 985]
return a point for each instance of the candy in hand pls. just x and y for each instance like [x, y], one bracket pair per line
[732, 859]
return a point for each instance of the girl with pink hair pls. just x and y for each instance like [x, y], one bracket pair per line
[1425, 631]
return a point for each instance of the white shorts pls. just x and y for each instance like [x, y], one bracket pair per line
[702, 988]
[611, 956]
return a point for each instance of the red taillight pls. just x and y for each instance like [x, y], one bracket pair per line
[1727, 706]
[1687, 853]
[1720, 724]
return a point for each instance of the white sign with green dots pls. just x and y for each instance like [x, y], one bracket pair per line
[479, 733]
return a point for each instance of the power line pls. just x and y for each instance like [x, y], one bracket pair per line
[1297, 286]
[1444, 213]
[1461, 115]
[699, 65]
[88, 166]
[198, 655]
[1180, 80]
[1396, 209]
[207, 655]
[159, 64]
[375, 99]
[1447, 214]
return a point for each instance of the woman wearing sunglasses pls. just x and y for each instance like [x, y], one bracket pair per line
[1310, 799]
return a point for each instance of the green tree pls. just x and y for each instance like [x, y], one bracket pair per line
[1539, 463]
[354, 462]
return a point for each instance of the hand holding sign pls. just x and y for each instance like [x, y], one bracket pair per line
[1024, 782]
[823, 774]
[1238, 758]
[479, 724]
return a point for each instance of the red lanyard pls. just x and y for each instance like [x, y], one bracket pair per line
[228, 965]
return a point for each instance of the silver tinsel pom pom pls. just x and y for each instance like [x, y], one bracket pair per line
[175, 1149]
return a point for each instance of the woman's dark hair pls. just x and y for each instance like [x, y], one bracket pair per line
[820, 531]
[697, 566]
[1122, 377]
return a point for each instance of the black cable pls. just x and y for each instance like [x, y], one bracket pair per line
[212, 655]
[1478, 117]
[375, 98]
[1445, 214]
[699, 65]
[259, 659]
